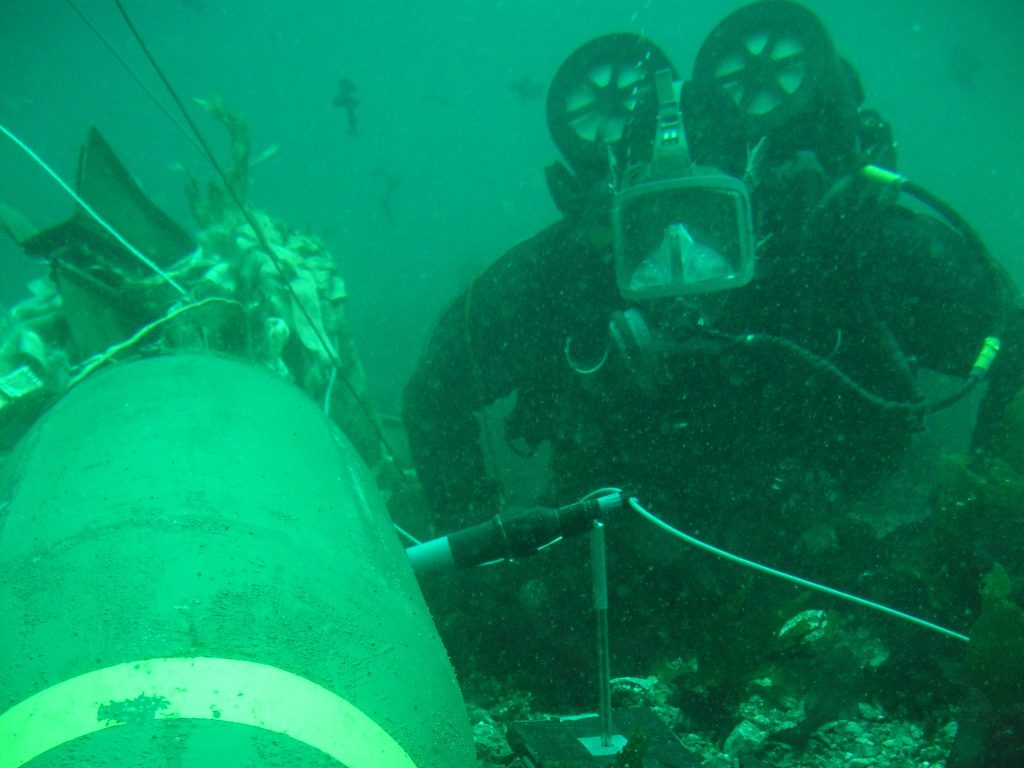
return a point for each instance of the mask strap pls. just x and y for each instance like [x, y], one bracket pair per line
[578, 365]
[670, 150]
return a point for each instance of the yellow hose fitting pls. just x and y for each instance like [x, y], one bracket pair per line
[882, 176]
[988, 353]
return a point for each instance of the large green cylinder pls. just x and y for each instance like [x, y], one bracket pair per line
[196, 571]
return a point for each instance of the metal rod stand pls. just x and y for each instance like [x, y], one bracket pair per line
[604, 680]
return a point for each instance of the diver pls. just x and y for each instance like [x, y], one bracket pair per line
[730, 316]
[639, 341]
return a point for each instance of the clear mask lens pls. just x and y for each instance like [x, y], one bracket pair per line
[683, 236]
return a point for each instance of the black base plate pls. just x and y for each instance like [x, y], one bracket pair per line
[557, 742]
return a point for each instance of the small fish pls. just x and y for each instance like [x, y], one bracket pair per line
[346, 99]
[391, 179]
[265, 155]
[962, 65]
[526, 88]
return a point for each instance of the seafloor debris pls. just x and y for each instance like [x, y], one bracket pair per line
[762, 737]
[274, 297]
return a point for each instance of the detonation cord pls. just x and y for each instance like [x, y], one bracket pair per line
[697, 543]
[108, 354]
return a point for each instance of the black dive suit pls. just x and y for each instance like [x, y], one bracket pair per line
[715, 417]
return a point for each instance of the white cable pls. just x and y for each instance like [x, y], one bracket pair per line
[329, 390]
[89, 210]
[402, 532]
[790, 578]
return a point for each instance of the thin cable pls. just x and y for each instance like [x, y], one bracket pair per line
[89, 210]
[108, 354]
[402, 532]
[233, 193]
[329, 391]
[258, 231]
[790, 578]
[131, 72]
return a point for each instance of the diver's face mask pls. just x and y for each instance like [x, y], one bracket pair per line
[679, 229]
[682, 236]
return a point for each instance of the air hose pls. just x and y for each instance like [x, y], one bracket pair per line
[894, 184]
[986, 355]
[957, 222]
